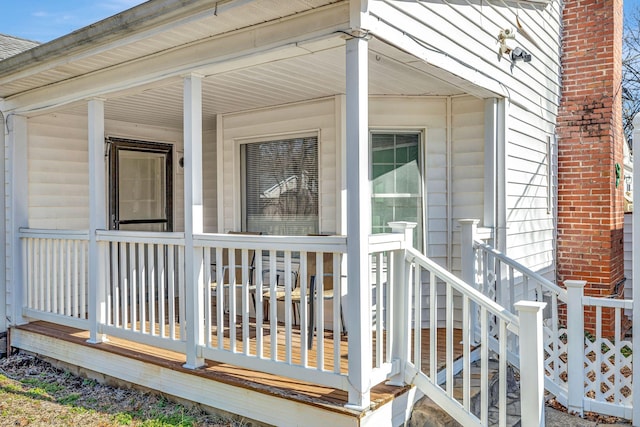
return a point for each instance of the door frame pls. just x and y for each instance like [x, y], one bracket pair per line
[117, 144]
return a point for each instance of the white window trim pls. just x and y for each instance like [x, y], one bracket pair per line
[239, 178]
[422, 130]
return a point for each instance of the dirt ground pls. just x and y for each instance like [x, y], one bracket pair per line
[35, 393]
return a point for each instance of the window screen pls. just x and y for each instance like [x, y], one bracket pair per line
[396, 181]
[281, 186]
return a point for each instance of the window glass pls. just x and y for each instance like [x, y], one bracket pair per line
[396, 181]
[281, 186]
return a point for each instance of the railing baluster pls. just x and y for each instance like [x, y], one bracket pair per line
[140, 306]
[208, 301]
[48, 276]
[27, 256]
[133, 248]
[181, 294]
[320, 308]
[163, 302]
[466, 354]
[598, 351]
[232, 299]
[484, 367]
[67, 274]
[502, 375]
[379, 307]
[135, 284]
[151, 293]
[106, 252]
[387, 305]
[433, 325]
[303, 312]
[171, 290]
[260, 307]
[617, 363]
[54, 276]
[417, 327]
[449, 339]
[287, 305]
[556, 337]
[337, 313]
[220, 297]
[38, 274]
[115, 281]
[245, 302]
[273, 306]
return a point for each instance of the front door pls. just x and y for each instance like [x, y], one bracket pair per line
[141, 185]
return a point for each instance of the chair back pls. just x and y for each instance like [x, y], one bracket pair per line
[238, 259]
[327, 269]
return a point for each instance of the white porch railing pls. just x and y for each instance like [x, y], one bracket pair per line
[257, 291]
[145, 294]
[451, 304]
[585, 372]
[55, 272]
[145, 289]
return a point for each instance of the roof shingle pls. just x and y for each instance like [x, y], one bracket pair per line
[10, 45]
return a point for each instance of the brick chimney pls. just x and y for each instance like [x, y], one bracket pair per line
[590, 145]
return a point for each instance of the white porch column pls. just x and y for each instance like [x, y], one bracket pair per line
[575, 345]
[193, 216]
[358, 224]
[17, 143]
[400, 304]
[532, 358]
[97, 219]
[468, 231]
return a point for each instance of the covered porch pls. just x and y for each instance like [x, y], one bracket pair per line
[329, 307]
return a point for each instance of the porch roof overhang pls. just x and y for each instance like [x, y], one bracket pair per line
[252, 54]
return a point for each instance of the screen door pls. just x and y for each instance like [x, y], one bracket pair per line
[141, 186]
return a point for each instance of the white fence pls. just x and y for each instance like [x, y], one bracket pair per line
[585, 372]
[55, 272]
[275, 304]
[265, 303]
[145, 290]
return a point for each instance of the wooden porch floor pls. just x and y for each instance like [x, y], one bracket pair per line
[294, 390]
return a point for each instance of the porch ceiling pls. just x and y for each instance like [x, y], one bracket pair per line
[310, 76]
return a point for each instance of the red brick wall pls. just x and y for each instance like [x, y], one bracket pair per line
[590, 207]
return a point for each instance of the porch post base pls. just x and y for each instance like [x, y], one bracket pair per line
[195, 364]
[101, 338]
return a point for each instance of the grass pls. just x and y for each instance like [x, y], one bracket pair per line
[33, 392]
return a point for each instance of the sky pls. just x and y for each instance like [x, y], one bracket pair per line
[45, 20]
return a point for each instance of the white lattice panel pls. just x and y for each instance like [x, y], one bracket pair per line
[607, 372]
[555, 355]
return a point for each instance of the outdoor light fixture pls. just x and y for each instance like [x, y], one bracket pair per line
[519, 54]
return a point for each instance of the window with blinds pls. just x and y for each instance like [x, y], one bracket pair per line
[280, 181]
[396, 181]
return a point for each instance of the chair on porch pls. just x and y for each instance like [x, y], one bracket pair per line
[280, 288]
[237, 268]
[326, 284]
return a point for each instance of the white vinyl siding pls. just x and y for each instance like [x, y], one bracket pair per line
[466, 33]
[59, 171]
[467, 164]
